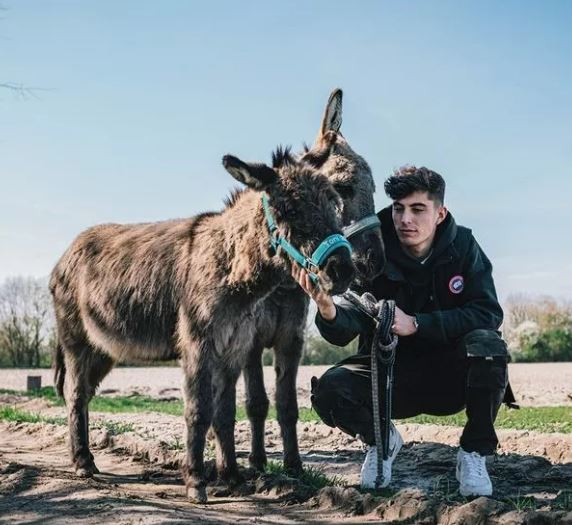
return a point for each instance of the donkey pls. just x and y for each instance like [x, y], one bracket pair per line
[194, 289]
[282, 328]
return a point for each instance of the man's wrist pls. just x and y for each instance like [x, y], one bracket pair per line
[328, 312]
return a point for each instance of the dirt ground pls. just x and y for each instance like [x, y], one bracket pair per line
[140, 480]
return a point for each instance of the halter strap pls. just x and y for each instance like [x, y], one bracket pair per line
[371, 221]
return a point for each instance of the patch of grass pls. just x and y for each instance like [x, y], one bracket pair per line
[523, 503]
[115, 428]
[443, 489]
[46, 392]
[541, 419]
[563, 501]
[313, 477]
[176, 444]
[16, 415]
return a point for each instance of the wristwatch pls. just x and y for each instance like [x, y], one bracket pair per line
[415, 323]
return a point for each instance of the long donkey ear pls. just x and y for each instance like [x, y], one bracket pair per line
[255, 176]
[317, 156]
[332, 119]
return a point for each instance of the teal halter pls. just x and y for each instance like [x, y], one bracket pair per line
[310, 264]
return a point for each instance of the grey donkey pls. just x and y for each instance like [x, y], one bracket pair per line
[194, 289]
[282, 328]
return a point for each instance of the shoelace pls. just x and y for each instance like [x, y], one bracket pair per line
[475, 464]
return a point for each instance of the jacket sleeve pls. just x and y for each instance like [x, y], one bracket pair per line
[348, 323]
[480, 309]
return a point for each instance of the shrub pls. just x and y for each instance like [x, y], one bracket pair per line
[319, 352]
[538, 330]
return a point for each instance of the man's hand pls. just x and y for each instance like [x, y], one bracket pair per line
[323, 301]
[403, 324]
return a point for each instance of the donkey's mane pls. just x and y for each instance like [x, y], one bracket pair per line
[234, 196]
[282, 156]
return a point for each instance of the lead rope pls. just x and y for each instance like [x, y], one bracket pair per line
[383, 348]
[383, 351]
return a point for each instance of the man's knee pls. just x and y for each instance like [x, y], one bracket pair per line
[484, 343]
[326, 392]
[337, 394]
[489, 373]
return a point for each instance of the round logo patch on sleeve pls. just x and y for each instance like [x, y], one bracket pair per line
[456, 284]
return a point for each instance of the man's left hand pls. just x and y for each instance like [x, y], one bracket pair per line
[403, 324]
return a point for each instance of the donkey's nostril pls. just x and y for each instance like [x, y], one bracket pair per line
[340, 271]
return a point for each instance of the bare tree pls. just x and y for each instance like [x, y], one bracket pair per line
[26, 320]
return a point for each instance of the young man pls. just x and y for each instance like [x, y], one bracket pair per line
[450, 355]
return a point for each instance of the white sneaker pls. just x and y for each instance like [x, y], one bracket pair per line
[472, 474]
[368, 473]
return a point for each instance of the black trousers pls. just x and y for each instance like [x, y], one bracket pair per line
[439, 383]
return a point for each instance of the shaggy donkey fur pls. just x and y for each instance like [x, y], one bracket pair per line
[194, 288]
[282, 327]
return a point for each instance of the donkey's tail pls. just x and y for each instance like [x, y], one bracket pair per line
[59, 370]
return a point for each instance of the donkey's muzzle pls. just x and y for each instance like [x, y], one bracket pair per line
[340, 271]
[368, 254]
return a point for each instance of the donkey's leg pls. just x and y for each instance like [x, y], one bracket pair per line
[101, 365]
[224, 394]
[81, 367]
[256, 406]
[288, 350]
[197, 390]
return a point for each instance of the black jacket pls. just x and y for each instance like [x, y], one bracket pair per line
[451, 294]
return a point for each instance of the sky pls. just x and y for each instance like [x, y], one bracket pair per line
[133, 104]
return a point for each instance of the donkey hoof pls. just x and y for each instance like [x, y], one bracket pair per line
[294, 469]
[197, 494]
[258, 463]
[85, 472]
[231, 478]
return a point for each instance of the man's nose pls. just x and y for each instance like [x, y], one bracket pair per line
[406, 217]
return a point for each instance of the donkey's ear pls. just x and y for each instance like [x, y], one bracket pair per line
[332, 119]
[317, 156]
[255, 176]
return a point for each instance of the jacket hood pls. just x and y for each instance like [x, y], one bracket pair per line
[444, 237]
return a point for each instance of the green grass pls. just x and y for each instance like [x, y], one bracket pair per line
[311, 476]
[16, 415]
[541, 419]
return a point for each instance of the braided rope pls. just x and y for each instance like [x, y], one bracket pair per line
[382, 351]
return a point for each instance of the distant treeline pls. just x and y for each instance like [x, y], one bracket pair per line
[536, 329]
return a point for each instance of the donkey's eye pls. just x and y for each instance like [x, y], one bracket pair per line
[345, 191]
[289, 212]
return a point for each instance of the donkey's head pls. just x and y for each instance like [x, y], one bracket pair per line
[352, 179]
[304, 206]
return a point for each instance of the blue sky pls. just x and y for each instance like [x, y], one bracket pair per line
[139, 100]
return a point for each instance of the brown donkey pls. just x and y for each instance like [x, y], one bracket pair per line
[192, 288]
[282, 327]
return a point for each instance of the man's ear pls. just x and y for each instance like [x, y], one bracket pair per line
[255, 176]
[441, 214]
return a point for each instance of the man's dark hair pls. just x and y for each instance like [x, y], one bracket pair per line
[409, 179]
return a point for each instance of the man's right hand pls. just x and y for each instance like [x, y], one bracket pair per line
[323, 301]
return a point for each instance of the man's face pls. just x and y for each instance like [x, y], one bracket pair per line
[416, 218]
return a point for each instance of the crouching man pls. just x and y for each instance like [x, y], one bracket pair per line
[450, 355]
